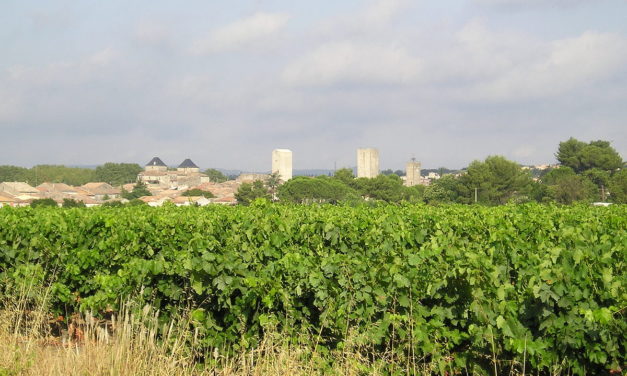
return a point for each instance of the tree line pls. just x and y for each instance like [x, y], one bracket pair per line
[588, 172]
[115, 174]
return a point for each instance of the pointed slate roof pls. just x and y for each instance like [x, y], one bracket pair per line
[187, 164]
[156, 162]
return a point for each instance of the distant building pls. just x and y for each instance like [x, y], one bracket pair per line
[101, 190]
[367, 163]
[412, 173]
[187, 166]
[16, 188]
[156, 164]
[156, 175]
[251, 177]
[282, 163]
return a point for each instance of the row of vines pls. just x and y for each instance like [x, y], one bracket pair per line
[459, 286]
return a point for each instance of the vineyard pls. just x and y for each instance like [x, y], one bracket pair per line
[465, 288]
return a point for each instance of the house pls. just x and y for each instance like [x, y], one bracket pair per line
[100, 190]
[48, 188]
[8, 200]
[191, 200]
[16, 187]
[156, 175]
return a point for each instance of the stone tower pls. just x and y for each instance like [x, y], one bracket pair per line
[282, 163]
[188, 166]
[156, 164]
[412, 173]
[367, 163]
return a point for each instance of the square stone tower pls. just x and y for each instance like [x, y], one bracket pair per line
[412, 173]
[282, 163]
[367, 163]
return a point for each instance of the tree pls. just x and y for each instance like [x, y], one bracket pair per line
[566, 187]
[497, 181]
[215, 175]
[71, 203]
[581, 156]
[59, 174]
[443, 191]
[44, 203]
[320, 189]
[197, 192]
[618, 187]
[117, 173]
[272, 183]
[387, 188]
[13, 173]
[248, 192]
[139, 190]
[345, 175]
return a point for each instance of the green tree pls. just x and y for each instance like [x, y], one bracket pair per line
[581, 156]
[248, 192]
[618, 187]
[303, 189]
[215, 175]
[387, 188]
[71, 203]
[13, 173]
[497, 181]
[59, 174]
[197, 192]
[117, 173]
[443, 191]
[139, 190]
[345, 175]
[44, 203]
[566, 187]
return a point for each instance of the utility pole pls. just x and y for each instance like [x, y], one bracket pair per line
[475, 195]
[602, 193]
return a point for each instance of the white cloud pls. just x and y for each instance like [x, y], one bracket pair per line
[381, 12]
[243, 33]
[564, 65]
[354, 63]
[530, 3]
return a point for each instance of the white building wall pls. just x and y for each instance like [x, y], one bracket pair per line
[282, 163]
[367, 163]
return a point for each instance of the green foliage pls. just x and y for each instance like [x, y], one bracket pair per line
[345, 175]
[13, 173]
[139, 190]
[443, 191]
[581, 156]
[618, 187]
[216, 176]
[497, 181]
[320, 189]
[566, 187]
[43, 203]
[71, 203]
[197, 192]
[248, 192]
[534, 286]
[117, 173]
[59, 174]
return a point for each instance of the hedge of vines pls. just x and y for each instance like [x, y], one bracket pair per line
[459, 286]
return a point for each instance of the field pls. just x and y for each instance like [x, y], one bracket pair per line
[401, 289]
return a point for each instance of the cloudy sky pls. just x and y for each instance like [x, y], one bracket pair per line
[224, 83]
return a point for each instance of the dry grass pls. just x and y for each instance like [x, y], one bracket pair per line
[134, 344]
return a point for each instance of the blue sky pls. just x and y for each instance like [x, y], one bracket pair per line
[224, 83]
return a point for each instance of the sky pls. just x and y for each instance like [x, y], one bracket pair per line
[224, 83]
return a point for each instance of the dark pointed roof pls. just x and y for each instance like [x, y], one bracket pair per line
[156, 162]
[188, 164]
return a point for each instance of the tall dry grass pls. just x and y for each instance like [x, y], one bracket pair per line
[133, 343]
